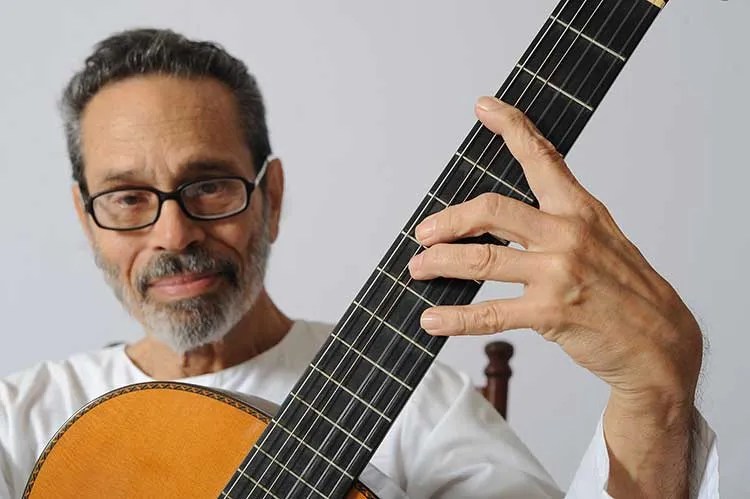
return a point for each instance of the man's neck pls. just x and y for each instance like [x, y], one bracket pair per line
[260, 329]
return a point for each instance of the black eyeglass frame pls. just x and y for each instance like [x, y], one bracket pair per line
[176, 195]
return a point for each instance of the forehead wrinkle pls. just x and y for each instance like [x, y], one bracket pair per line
[150, 122]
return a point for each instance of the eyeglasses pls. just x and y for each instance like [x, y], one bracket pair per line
[206, 199]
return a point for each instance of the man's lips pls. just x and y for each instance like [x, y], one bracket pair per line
[184, 285]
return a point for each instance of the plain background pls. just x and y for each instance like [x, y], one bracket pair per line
[367, 101]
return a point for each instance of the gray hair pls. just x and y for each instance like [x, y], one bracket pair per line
[159, 51]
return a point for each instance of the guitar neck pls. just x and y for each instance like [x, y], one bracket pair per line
[343, 405]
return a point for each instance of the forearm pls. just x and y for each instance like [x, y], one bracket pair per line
[649, 449]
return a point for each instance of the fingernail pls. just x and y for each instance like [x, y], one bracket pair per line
[426, 229]
[486, 103]
[431, 322]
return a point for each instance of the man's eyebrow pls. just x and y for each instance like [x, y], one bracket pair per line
[208, 166]
[191, 169]
[123, 176]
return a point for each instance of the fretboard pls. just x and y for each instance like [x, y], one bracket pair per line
[341, 408]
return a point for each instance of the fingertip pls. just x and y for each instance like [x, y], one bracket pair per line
[487, 103]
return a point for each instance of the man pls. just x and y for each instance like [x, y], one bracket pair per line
[180, 198]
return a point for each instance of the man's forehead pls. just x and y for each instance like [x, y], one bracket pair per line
[136, 108]
[140, 122]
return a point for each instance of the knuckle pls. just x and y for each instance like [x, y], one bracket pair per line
[551, 320]
[541, 148]
[591, 210]
[487, 318]
[566, 270]
[481, 259]
[515, 116]
[579, 233]
[489, 202]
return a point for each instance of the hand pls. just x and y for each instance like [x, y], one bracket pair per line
[586, 287]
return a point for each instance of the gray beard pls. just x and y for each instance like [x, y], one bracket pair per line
[187, 324]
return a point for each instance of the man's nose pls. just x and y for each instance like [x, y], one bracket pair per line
[174, 230]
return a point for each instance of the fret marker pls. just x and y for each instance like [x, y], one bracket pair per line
[659, 3]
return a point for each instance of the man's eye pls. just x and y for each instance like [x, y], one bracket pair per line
[130, 199]
[208, 188]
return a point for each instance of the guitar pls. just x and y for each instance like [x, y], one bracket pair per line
[136, 442]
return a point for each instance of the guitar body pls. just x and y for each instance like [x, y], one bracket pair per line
[153, 440]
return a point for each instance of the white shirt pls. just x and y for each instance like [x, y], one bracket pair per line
[447, 442]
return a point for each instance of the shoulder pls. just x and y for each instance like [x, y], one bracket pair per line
[81, 373]
[36, 401]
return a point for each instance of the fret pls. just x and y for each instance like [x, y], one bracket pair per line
[398, 309]
[574, 66]
[570, 28]
[350, 392]
[482, 146]
[327, 417]
[342, 407]
[488, 171]
[378, 341]
[405, 310]
[372, 362]
[617, 24]
[312, 449]
[405, 286]
[306, 466]
[265, 483]
[555, 88]
[437, 198]
[392, 328]
[331, 422]
[411, 238]
[253, 483]
[466, 173]
[428, 206]
[367, 386]
[556, 117]
[289, 471]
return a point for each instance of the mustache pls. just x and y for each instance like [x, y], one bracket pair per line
[194, 260]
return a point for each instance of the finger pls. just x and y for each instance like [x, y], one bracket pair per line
[479, 318]
[490, 213]
[544, 168]
[483, 262]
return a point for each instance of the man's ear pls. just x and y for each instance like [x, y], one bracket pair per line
[83, 216]
[273, 187]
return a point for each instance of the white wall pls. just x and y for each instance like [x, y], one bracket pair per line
[367, 102]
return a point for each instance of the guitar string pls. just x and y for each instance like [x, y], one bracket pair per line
[346, 320]
[601, 81]
[471, 191]
[494, 137]
[388, 347]
[333, 397]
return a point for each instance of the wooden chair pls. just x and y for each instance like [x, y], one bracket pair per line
[498, 373]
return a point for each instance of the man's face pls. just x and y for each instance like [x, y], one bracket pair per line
[187, 281]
